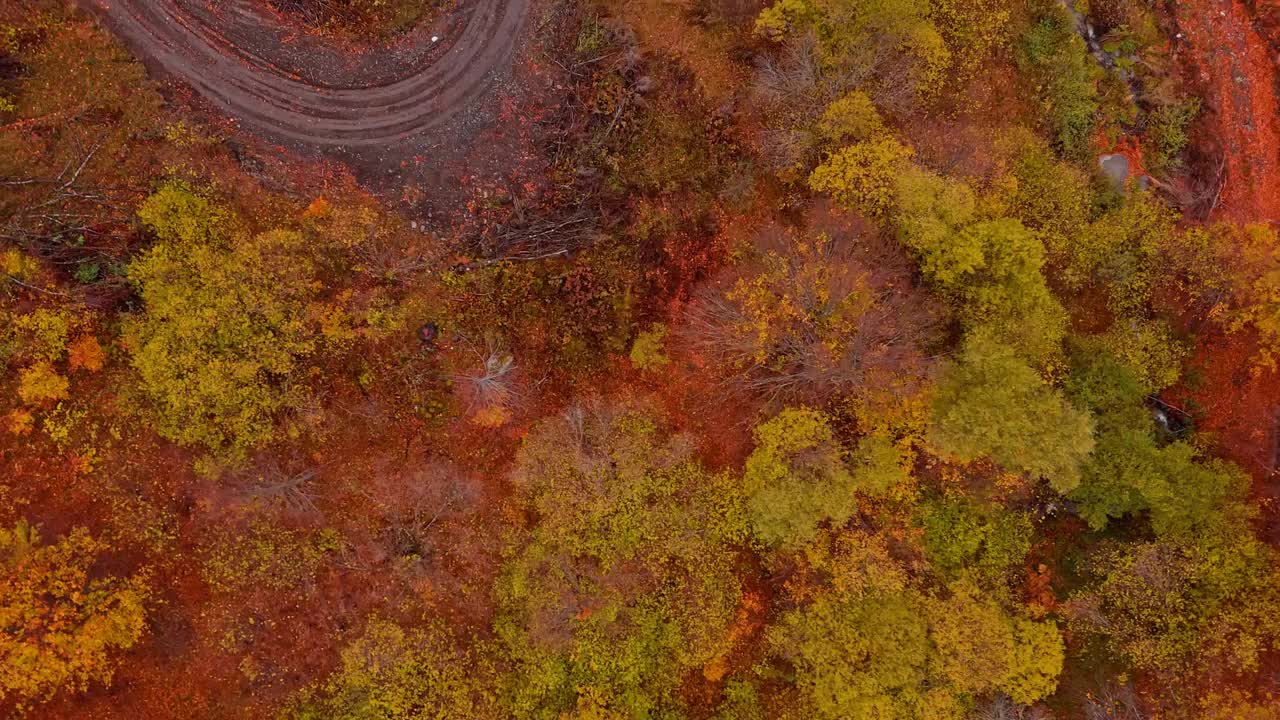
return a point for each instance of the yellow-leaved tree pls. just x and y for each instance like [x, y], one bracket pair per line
[58, 625]
[223, 324]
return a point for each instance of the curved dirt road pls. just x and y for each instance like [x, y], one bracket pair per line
[294, 88]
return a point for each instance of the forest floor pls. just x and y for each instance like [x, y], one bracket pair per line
[1228, 49]
[1229, 59]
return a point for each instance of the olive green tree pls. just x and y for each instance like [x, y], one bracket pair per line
[1131, 471]
[992, 269]
[799, 476]
[624, 584]
[391, 673]
[882, 648]
[1189, 610]
[991, 403]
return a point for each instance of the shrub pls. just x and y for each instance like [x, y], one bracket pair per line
[265, 556]
[1253, 252]
[20, 422]
[1051, 196]
[42, 334]
[1167, 133]
[669, 151]
[1122, 251]
[85, 353]
[558, 314]
[974, 30]
[41, 384]
[648, 351]
[1150, 348]
[19, 266]
[852, 118]
[178, 214]
[1065, 77]
[364, 20]
[1237, 704]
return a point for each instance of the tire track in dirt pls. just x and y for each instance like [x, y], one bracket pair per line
[297, 89]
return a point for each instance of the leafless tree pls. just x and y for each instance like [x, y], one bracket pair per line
[1001, 707]
[494, 383]
[69, 218]
[793, 90]
[392, 257]
[794, 73]
[795, 86]
[524, 238]
[414, 504]
[852, 318]
[56, 216]
[1115, 702]
[273, 484]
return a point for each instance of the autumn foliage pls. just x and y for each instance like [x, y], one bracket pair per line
[62, 627]
[806, 359]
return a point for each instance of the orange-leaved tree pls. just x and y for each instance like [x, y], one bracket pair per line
[60, 622]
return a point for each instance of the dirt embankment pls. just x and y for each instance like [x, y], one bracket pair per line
[376, 106]
[1233, 59]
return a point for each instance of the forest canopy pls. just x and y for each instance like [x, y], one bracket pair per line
[601, 360]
